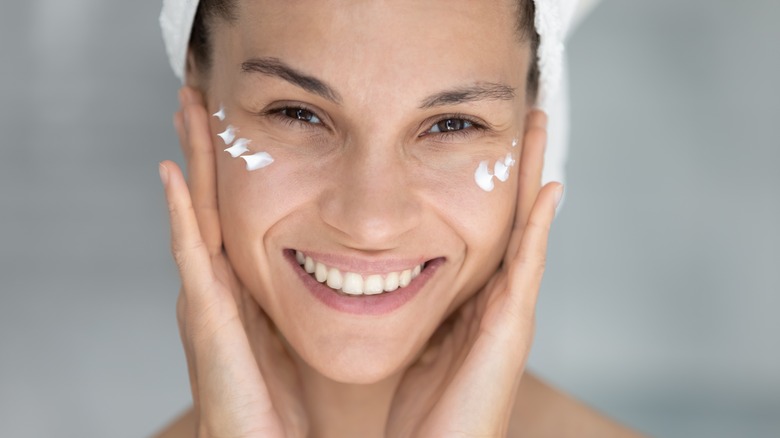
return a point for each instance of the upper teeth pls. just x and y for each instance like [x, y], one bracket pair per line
[355, 284]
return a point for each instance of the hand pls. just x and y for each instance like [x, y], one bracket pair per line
[240, 376]
[465, 382]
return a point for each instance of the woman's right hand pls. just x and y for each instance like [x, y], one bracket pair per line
[242, 381]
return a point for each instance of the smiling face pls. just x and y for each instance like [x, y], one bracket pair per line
[377, 116]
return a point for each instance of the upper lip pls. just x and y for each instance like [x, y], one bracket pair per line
[365, 265]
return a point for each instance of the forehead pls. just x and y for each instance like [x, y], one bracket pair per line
[378, 14]
[363, 43]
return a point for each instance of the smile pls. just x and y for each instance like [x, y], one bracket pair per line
[352, 283]
[361, 287]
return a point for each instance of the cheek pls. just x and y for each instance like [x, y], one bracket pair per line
[480, 218]
[260, 180]
[252, 206]
[252, 202]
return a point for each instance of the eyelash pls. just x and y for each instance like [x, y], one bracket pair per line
[278, 113]
[445, 136]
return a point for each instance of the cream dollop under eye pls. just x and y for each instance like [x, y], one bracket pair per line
[239, 147]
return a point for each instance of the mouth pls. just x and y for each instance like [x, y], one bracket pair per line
[352, 287]
[354, 284]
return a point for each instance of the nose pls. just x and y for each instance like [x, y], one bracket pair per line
[371, 202]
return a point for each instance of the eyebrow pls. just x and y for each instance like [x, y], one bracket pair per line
[272, 66]
[470, 93]
[275, 67]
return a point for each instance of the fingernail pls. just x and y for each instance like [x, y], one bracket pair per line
[558, 196]
[163, 174]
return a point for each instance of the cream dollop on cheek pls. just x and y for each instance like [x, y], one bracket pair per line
[483, 176]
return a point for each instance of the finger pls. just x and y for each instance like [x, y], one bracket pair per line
[187, 246]
[199, 153]
[192, 371]
[192, 96]
[188, 252]
[530, 176]
[495, 364]
[528, 265]
[178, 123]
[227, 380]
[535, 145]
[515, 314]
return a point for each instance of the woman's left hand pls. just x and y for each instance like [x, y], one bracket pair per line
[464, 384]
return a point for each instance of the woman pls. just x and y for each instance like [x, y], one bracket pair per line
[363, 235]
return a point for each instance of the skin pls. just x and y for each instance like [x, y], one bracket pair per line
[372, 182]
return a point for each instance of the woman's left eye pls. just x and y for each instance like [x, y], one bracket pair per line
[450, 125]
[301, 115]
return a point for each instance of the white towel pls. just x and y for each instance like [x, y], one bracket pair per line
[554, 21]
[176, 21]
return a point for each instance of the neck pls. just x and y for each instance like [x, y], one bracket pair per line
[338, 409]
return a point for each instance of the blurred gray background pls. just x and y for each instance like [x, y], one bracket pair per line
[661, 299]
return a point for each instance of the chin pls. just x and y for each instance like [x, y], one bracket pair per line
[360, 362]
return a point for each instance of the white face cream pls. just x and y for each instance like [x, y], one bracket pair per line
[501, 171]
[220, 114]
[483, 177]
[238, 148]
[501, 168]
[509, 161]
[254, 161]
[228, 135]
[257, 161]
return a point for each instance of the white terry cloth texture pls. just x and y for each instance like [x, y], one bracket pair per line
[555, 20]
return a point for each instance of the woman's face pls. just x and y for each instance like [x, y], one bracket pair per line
[377, 115]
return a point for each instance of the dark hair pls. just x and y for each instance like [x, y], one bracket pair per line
[209, 10]
[200, 39]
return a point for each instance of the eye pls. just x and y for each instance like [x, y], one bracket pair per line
[299, 114]
[450, 125]
[454, 127]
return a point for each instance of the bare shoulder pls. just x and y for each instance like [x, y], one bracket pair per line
[182, 427]
[540, 411]
[543, 411]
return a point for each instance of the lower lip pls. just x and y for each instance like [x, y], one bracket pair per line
[379, 304]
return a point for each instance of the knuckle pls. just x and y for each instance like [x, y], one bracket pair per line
[180, 257]
[538, 226]
[537, 262]
[182, 253]
[535, 259]
[172, 209]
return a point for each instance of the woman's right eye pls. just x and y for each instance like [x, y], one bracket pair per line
[298, 115]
